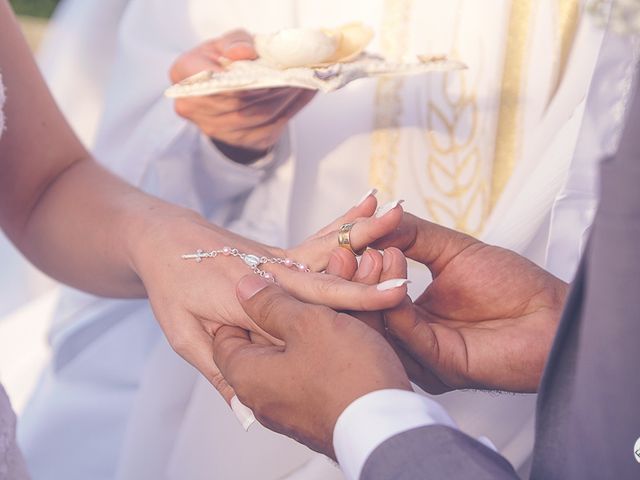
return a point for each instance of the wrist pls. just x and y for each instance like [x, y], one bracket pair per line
[154, 231]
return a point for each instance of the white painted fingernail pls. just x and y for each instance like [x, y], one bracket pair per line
[387, 207]
[243, 413]
[391, 284]
[373, 191]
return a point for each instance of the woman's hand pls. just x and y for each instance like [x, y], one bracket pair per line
[192, 300]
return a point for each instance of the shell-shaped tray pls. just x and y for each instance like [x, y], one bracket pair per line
[254, 74]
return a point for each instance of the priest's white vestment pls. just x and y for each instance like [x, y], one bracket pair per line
[487, 151]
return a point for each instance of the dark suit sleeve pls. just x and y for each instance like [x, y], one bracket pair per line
[435, 452]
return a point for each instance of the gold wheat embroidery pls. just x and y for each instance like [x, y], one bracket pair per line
[385, 138]
[454, 163]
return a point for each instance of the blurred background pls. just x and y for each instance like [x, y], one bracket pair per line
[33, 16]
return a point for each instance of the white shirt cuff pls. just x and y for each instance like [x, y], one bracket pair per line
[374, 418]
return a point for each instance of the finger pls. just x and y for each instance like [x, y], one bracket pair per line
[279, 111]
[368, 273]
[395, 264]
[237, 45]
[342, 263]
[224, 106]
[427, 242]
[420, 374]
[370, 268]
[195, 345]
[205, 57]
[417, 346]
[414, 334]
[260, 131]
[365, 207]
[261, 113]
[340, 294]
[271, 308]
[365, 231]
[258, 339]
[229, 348]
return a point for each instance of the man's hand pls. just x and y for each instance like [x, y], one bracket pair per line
[243, 125]
[486, 321]
[328, 360]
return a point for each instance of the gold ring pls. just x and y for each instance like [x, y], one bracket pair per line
[344, 238]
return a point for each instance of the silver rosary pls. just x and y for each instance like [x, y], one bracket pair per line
[252, 261]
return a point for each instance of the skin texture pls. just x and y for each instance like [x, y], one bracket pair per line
[486, 321]
[88, 228]
[243, 125]
[300, 389]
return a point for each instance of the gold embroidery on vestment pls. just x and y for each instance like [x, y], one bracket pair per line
[385, 139]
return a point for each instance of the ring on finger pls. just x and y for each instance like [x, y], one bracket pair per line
[344, 238]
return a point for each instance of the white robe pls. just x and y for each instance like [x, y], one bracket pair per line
[116, 402]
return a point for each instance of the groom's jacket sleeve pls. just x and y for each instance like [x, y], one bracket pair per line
[435, 452]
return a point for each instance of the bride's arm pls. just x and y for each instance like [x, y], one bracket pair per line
[67, 214]
[90, 229]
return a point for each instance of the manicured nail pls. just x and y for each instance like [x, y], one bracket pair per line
[249, 285]
[387, 207]
[243, 413]
[366, 265]
[373, 192]
[391, 284]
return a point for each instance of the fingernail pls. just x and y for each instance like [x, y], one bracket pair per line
[387, 207]
[250, 285]
[243, 413]
[391, 284]
[366, 265]
[373, 192]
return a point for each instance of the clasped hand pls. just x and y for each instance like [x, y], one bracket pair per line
[487, 321]
[192, 301]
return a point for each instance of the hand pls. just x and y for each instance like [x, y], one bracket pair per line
[192, 301]
[486, 321]
[244, 125]
[300, 389]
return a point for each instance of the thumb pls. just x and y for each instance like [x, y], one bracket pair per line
[237, 45]
[270, 307]
[426, 242]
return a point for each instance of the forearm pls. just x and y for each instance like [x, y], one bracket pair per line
[87, 226]
[69, 216]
